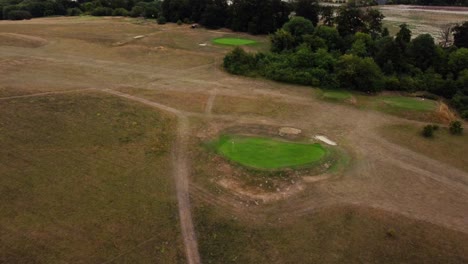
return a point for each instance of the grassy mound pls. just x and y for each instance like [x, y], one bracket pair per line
[234, 41]
[409, 103]
[268, 153]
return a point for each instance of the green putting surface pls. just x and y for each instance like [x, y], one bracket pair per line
[234, 41]
[410, 103]
[267, 153]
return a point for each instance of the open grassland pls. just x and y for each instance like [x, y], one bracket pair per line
[419, 21]
[268, 153]
[444, 147]
[86, 178]
[254, 106]
[333, 235]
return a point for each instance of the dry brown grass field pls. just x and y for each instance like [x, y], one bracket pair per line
[105, 158]
[420, 21]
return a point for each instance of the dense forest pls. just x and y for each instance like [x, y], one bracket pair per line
[353, 51]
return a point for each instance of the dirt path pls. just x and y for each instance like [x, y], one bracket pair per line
[181, 167]
[210, 102]
[44, 94]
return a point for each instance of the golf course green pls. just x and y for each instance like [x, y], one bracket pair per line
[268, 153]
[234, 41]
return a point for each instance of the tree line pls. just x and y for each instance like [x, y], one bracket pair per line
[354, 51]
[429, 2]
[254, 16]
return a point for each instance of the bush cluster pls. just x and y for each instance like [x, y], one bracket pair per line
[19, 15]
[358, 54]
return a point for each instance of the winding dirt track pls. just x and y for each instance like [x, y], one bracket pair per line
[181, 175]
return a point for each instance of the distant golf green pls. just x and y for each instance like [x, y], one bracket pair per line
[234, 41]
[267, 153]
[336, 95]
[410, 103]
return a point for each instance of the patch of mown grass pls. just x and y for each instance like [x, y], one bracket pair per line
[409, 103]
[84, 178]
[234, 41]
[412, 108]
[338, 95]
[268, 153]
[332, 235]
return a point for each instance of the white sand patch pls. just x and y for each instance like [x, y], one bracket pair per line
[139, 37]
[326, 140]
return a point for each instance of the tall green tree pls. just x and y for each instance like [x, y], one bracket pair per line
[308, 9]
[422, 51]
[215, 14]
[374, 19]
[328, 15]
[403, 37]
[360, 74]
[349, 21]
[460, 35]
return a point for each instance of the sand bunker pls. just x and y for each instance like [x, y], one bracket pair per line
[326, 140]
[19, 40]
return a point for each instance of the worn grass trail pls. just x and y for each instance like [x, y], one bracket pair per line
[181, 175]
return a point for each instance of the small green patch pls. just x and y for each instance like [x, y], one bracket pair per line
[268, 153]
[409, 103]
[234, 41]
[339, 95]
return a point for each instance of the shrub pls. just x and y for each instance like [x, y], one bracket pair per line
[102, 11]
[161, 20]
[179, 22]
[456, 128]
[120, 12]
[435, 127]
[239, 62]
[74, 11]
[428, 131]
[392, 83]
[137, 11]
[464, 114]
[19, 15]
[390, 233]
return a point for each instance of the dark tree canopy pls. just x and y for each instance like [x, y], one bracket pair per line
[350, 20]
[422, 51]
[461, 35]
[308, 9]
